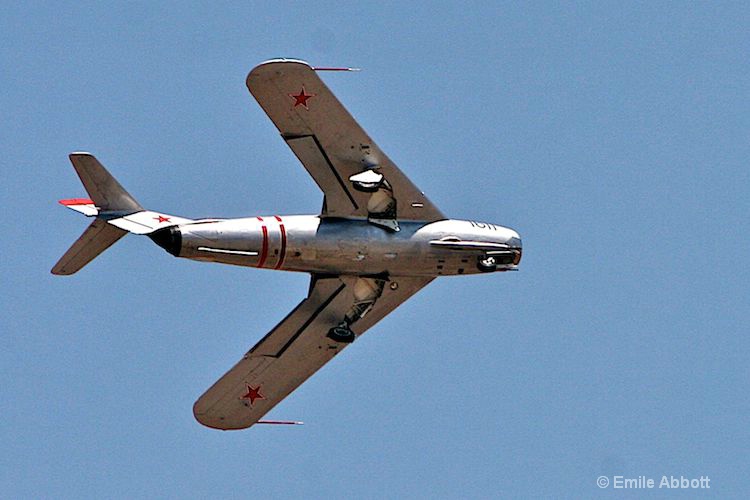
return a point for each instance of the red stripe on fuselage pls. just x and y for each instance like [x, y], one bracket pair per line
[264, 250]
[282, 253]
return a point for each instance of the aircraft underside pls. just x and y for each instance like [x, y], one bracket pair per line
[377, 241]
[311, 244]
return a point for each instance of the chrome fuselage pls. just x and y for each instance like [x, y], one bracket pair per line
[309, 243]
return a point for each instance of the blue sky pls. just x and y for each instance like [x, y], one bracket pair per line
[614, 138]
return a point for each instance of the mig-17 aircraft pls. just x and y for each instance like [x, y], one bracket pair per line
[376, 241]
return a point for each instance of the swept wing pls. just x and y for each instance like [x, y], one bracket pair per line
[329, 142]
[294, 350]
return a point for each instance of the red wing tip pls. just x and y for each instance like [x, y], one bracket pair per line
[76, 201]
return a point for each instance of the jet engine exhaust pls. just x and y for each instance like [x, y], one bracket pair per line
[169, 238]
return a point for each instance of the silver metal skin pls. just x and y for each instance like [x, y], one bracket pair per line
[311, 244]
[377, 241]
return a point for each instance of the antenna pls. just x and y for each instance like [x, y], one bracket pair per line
[279, 422]
[337, 69]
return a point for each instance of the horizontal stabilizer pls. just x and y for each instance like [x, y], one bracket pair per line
[95, 239]
[145, 222]
[116, 211]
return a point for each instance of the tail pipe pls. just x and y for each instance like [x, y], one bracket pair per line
[169, 238]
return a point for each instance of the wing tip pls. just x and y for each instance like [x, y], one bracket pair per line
[284, 60]
[218, 425]
[213, 421]
[60, 271]
[76, 155]
[281, 60]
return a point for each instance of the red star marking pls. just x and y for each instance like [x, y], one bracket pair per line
[161, 219]
[253, 393]
[301, 98]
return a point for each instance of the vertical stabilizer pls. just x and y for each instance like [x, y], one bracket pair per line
[108, 200]
[107, 194]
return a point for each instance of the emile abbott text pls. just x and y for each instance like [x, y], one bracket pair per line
[669, 482]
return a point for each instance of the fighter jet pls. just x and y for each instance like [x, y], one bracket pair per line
[376, 241]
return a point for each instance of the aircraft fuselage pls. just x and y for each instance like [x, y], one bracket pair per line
[309, 243]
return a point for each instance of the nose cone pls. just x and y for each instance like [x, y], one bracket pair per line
[515, 244]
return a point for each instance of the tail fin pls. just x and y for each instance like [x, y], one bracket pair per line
[108, 199]
[107, 194]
